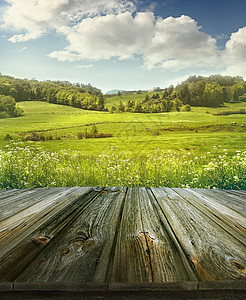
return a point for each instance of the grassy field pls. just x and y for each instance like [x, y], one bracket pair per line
[196, 131]
[115, 100]
[196, 149]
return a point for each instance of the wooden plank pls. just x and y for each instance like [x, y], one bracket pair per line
[227, 218]
[12, 226]
[234, 201]
[168, 262]
[29, 238]
[80, 248]
[6, 196]
[215, 253]
[131, 261]
[236, 192]
[15, 204]
[5, 193]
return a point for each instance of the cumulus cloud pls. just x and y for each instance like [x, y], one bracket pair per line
[164, 43]
[36, 16]
[103, 29]
[234, 55]
[178, 42]
[236, 46]
[108, 36]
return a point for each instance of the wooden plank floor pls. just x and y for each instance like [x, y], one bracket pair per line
[122, 235]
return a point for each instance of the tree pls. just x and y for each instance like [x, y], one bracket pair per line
[177, 103]
[121, 107]
[213, 95]
[137, 107]
[101, 102]
[8, 107]
[184, 93]
[170, 89]
[94, 131]
[239, 90]
[146, 98]
[196, 90]
[165, 94]
[113, 109]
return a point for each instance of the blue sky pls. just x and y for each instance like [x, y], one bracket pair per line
[121, 44]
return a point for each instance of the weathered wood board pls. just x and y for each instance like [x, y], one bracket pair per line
[122, 235]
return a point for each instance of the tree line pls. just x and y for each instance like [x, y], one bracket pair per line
[57, 92]
[210, 91]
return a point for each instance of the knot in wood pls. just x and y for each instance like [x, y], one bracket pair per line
[238, 266]
[42, 239]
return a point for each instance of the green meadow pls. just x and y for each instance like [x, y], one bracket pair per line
[182, 149]
[196, 131]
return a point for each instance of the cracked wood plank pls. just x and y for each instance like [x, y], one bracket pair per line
[27, 240]
[81, 251]
[215, 253]
[131, 260]
[168, 261]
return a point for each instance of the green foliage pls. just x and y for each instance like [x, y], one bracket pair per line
[121, 107]
[58, 92]
[242, 98]
[8, 137]
[92, 133]
[187, 107]
[230, 112]
[212, 91]
[8, 107]
[34, 136]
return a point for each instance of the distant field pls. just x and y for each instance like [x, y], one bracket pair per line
[195, 131]
[115, 100]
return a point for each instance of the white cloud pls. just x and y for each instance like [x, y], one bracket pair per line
[62, 55]
[108, 36]
[178, 43]
[25, 37]
[34, 17]
[103, 29]
[238, 69]
[84, 66]
[234, 55]
[164, 43]
[236, 46]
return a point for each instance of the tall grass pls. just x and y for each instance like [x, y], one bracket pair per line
[29, 167]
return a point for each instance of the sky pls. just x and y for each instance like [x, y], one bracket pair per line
[121, 44]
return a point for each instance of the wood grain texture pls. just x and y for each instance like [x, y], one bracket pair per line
[76, 252]
[210, 204]
[24, 242]
[168, 262]
[131, 259]
[235, 201]
[119, 236]
[215, 253]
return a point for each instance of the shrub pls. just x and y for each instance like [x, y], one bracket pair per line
[187, 107]
[8, 137]
[34, 136]
[80, 135]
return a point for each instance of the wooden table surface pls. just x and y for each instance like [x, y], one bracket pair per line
[122, 235]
